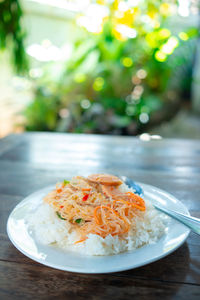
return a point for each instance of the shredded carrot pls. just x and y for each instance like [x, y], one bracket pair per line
[95, 215]
[86, 189]
[137, 199]
[80, 241]
[106, 211]
[140, 207]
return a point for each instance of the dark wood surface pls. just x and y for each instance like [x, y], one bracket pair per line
[31, 161]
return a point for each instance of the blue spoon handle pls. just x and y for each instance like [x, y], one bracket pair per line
[191, 222]
[132, 184]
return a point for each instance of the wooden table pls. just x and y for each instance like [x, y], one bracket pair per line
[31, 161]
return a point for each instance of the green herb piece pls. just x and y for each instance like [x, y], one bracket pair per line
[59, 216]
[66, 182]
[79, 220]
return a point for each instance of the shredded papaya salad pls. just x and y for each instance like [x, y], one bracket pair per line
[95, 205]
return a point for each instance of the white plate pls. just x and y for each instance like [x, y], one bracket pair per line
[176, 234]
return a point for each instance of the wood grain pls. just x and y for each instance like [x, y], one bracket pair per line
[27, 281]
[31, 161]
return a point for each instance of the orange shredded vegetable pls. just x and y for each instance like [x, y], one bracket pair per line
[102, 213]
[80, 241]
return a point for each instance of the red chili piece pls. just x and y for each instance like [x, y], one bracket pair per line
[61, 206]
[85, 197]
[59, 190]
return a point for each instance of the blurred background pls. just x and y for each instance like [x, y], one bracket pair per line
[106, 66]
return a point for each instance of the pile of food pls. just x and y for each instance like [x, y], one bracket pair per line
[97, 215]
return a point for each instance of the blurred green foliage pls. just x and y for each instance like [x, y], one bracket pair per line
[11, 33]
[126, 67]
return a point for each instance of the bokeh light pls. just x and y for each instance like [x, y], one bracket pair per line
[98, 84]
[85, 103]
[160, 56]
[79, 77]
[144, 118]
[183, 36]
[127, 62]
[141, 74]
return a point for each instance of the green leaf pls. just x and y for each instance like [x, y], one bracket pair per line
[59, 216]
[79, 220]
[66, 181]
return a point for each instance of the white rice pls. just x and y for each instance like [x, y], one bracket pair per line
[49, 229]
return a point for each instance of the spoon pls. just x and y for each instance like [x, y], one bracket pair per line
[191, 222]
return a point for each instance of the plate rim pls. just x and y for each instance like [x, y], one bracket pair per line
[114, 268]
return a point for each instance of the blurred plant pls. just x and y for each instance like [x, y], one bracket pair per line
[12, 34]
[119, 74]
